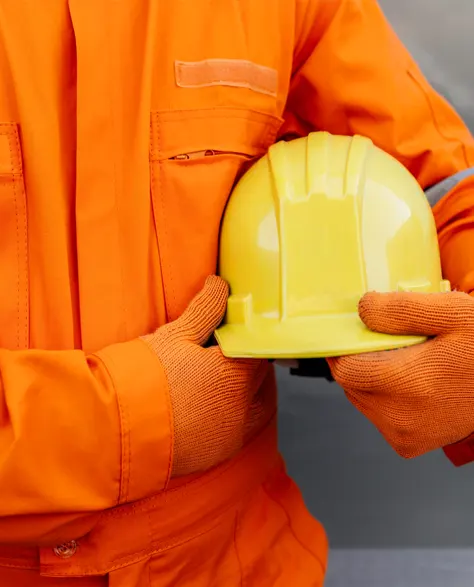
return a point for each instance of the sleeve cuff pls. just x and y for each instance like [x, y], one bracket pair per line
[146, 419]
[462, 452]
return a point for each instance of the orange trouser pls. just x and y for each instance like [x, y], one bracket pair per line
[244, 523]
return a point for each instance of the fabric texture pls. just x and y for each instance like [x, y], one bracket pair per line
[214, 400]
[206, 531]
[421, 397]
[454, 215]
[111, 211]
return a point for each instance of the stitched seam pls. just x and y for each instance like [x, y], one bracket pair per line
[150, 537]
[273, 124]
[169, 412]
[125, 420]
[25, 236]
[168, 289]
[171, 428]
[164, 244]
[290, 526]
[127, 447]
[184, 490]
[17, 222]
[435, 120]
[202, 113]
[159, 245]
[124, 454]
[14, 565]
[239, 561]
[149, 575]
[155, 193]
[126, 561]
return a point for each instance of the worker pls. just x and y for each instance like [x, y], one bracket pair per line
[132, 452]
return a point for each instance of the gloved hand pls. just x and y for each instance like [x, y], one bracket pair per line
[214, 399]
[422, 397]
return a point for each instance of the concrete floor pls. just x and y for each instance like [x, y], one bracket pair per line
[391, 523]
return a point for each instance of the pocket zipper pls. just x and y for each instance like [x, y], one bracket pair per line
[207, 153]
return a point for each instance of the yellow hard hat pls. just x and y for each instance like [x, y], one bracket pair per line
[311, 227]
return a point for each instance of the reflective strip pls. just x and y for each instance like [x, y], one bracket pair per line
[439, 190]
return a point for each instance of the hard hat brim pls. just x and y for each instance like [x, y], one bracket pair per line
[306, 338]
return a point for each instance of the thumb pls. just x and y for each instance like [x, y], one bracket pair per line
[205, 311]
[413, 313]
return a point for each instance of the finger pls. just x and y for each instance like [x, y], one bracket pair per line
[410, 313]
[375, 372]
[205, 312]
[247, 369]
[349, 371]
[240, 372]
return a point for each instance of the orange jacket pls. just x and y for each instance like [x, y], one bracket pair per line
[110, 214]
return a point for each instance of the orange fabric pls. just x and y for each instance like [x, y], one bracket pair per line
[362, 81]
[213, 399]
[182, 537]
[420, 397]
[454, 216]
[107, 234]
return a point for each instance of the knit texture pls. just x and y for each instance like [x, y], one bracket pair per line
[421, 397]
[217, 403]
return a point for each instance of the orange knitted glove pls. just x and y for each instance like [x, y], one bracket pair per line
[214, 399]
[422, 397]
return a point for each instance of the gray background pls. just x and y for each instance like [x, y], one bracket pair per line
[391, 522]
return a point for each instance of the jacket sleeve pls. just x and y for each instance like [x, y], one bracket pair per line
[454, 214]
[352, 75]
[79, 434]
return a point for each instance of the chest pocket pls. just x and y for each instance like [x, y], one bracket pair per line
[13, 243]
[196, 157]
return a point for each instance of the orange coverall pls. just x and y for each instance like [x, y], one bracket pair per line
[107, 233]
